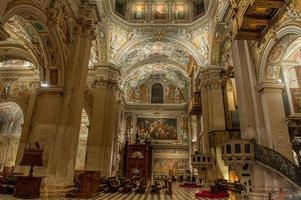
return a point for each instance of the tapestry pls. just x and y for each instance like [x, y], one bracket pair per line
[157, 128]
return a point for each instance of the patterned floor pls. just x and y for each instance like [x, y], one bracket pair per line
[178, 194]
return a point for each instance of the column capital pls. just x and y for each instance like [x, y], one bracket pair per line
[270, 87]
[211, 76]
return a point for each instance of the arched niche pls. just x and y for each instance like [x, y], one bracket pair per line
[11, 122]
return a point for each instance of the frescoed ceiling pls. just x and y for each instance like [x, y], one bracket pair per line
[155, 59]
[155, 50]
[293, 53]
[19, 28]
[158, 71]
[145, 53]
[16, 64]
[160, 11]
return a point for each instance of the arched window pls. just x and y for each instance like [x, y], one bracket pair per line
[157, 93]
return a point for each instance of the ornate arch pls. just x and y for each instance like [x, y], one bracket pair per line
[50, 39]
[287, 31]
[10, 51]
[193, 51]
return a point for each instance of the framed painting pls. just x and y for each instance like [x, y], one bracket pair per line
[160, 11]
[139, 11]
[180, 11]
[157, 128]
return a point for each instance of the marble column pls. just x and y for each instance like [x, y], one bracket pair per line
[103, 123]
[274, 118]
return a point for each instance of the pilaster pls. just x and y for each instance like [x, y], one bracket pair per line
[100, 144]
[250, 108]
[274, 118]
[213, 117]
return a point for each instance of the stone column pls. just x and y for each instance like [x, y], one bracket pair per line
[103, 123]
[56, 117]
[274, 118]
[213, 98]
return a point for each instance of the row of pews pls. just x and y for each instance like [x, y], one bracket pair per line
[8, 180]
[89, 184]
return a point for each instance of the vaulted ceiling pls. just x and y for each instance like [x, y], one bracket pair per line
[155, 51]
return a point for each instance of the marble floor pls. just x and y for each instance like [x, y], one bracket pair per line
[178, 194]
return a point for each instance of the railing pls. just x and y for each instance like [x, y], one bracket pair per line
[278, 162]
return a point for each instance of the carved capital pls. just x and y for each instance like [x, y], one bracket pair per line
[270, 87]
[211, 77]
[88, 20]
[105, 84]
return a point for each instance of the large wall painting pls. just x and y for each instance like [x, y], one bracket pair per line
[175, 160]
[164, 165]
[157, 128]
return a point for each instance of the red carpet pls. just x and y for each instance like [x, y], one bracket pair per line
[190, 185]
[207, 194]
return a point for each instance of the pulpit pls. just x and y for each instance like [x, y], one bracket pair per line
[29, 186]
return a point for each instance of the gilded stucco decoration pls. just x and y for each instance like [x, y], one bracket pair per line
[118, 37]
[164, 72]
[200, 39]
[155, 49]
[276, 56]
[18, 79]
